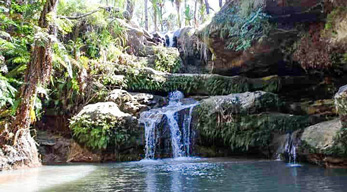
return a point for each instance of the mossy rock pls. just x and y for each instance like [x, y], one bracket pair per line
[102, 125]
[149, 80]
[323, 138]
[240, 103]
[341, 104]
[236, 125]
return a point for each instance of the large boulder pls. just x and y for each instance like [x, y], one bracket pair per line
[321, 137]
[125, 101]
[323, 144]
[134, 103]
[102, 126]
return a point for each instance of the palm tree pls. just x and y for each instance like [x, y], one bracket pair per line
[178, 9]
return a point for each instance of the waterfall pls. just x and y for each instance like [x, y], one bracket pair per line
[180, 131]
[290, 150]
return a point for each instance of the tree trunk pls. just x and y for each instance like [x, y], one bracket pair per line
[196, 14]
[220, 3]
[130, 8]
[161, 16]
[155, 20]
[207, 5]
[178, 9]
[37, 73]
[146, 15]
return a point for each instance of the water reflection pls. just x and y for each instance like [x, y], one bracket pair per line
[150, 180]
[36, 179]
[201, 175]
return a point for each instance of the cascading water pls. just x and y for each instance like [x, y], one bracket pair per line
[290, 150]
[180, 131]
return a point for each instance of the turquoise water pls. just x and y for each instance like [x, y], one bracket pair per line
[185, 174]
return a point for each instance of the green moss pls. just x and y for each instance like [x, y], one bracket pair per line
[242, 132]
[341, 104]
[166, 61]
[331, 18]
[339, 149]
[240, 24]
[198, 84]
[101, 132]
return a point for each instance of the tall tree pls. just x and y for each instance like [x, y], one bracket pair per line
[196, 13]
[37, 73]
[178, 9]
[161, 12]
[155, 6]
[207, 5]
[146, 15]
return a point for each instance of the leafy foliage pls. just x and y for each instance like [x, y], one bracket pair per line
[166, 62]
[7, 92]
[101, 133]
[240, 25]
[324, 46]
[138, 80]
[242, 132]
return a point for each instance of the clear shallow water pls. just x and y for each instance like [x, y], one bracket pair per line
[184, 174]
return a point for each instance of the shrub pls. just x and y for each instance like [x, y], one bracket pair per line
[102, 132]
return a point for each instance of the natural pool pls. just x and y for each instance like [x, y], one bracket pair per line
[185, 174]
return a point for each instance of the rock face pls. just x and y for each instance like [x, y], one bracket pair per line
[261, 51]
[244, 122]
[194, 53]
[324, 143]
[148, 80]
